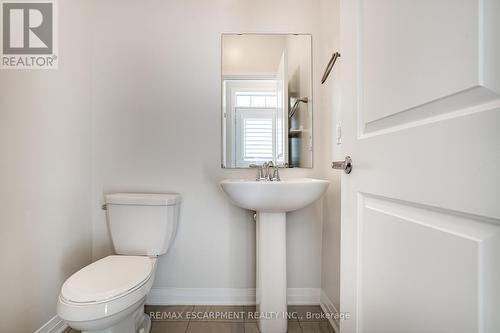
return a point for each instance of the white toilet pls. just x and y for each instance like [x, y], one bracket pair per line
[108, 295]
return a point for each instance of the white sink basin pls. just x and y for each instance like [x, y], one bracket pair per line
[272, 200]
[274, 197]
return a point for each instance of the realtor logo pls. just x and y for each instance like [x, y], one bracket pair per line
[28, 34]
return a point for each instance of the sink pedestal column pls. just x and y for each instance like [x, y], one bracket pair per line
[271, 272]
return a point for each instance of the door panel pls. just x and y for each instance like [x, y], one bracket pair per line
[410, 257]
[421, 120]
[419, 60]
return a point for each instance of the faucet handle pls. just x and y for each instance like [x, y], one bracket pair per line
[260, 171]
[276, 174]
[260, 174]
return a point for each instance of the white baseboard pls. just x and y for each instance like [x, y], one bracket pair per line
[328, 307]
[224, 296]
[54, 325]
[303, 296]
[201, 296]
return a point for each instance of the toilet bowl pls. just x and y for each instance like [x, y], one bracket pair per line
[101, 295]
[108, 295]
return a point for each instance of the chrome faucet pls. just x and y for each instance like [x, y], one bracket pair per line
[267, 166]
[267, 172]
[276, 174]
[260, 173]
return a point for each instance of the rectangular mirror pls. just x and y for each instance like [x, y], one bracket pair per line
[266, 100]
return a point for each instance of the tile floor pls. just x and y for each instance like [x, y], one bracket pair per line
[229, 319]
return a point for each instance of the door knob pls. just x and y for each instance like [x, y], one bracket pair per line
[345, 165]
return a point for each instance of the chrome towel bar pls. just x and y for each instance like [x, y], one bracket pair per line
[329, 67]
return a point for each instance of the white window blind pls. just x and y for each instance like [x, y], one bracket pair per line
[255, 135]
[258, 139]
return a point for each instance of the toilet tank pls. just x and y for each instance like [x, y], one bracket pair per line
[142, 223]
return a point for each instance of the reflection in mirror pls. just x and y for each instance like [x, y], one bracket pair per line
[266, 100]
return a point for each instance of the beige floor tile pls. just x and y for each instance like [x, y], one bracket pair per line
[169, 312]
[293, 313]
[212, 326]
[169, 327]
[250, 314]
[316, 327]
[308, 312]
[251, 328]
[293, 327]
[215, 327]
[160, 327]
[219, 313]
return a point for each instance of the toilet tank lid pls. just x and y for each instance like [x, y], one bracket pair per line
[143, 199]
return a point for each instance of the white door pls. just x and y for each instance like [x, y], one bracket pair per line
[421, 208]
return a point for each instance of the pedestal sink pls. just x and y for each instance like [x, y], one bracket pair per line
[271, 200]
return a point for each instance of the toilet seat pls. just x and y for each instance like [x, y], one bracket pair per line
[107, 279]
[106, 287]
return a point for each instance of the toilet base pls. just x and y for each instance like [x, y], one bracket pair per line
[136, 322]
[146, 325]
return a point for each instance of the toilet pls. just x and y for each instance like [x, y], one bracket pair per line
[108, 295]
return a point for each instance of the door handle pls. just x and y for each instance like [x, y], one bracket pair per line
[345, 165]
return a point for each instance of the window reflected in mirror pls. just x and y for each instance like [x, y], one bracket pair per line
[266, 94]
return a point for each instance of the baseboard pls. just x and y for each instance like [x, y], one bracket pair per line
[201, 296]
[54, 325]
[303, 296]
[328, 307]
[224, 296]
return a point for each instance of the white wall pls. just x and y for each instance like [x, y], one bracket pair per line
[330, 92]
[156, 127]
[45, 226]
[252, 54]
